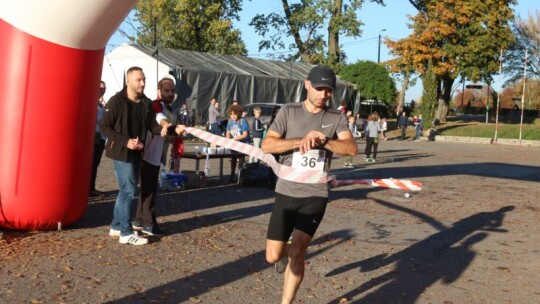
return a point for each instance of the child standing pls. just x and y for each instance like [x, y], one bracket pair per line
[352, 126]
[372, 137]
[384, 127]
[257, 131]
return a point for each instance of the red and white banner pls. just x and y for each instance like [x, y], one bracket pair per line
[300, 176]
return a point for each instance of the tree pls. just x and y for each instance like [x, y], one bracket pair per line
[304, 22]
[372, 80]
[429, 96]
[532, 93]
[507, 98]
[195, 25]
[527, 33]
[454, 37]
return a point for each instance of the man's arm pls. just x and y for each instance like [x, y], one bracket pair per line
[343, 145]
[108, 121]
[274, 144]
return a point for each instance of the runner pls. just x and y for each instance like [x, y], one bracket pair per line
[306, 135]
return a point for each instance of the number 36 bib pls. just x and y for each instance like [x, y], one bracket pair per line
[311, 160]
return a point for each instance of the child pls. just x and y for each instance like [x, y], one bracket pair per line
[237, 129]
[384, 127]
[352, 126]
[257, 131]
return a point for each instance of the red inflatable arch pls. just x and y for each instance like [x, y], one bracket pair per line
[51, 56]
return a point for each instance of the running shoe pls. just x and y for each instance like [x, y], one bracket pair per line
[281, 265]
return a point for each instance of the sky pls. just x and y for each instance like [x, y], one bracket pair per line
[391, 18]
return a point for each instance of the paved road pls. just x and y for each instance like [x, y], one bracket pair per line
[470, 236]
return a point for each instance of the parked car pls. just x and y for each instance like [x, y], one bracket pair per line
[266, 112]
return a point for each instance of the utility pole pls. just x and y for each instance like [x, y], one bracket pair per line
[523, 96]
[379, 47]
[498, 100]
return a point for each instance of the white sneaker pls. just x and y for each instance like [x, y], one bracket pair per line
[133, 239]
[114, 232]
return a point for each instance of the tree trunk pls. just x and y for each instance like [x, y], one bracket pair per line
[401, 97]
[444, 98]
[334, 53]
[296, 33]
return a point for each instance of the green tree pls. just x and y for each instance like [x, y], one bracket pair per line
[371, 80]
[195, 25]
[455, 37]
[429, 96]
[305, 21]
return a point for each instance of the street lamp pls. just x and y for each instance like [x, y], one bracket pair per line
[379, 46]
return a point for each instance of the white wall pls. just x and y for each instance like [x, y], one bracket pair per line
[117, 61]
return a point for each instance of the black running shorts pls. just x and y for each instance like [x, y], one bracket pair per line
[304, 214]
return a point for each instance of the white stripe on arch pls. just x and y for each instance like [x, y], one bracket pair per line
[85, 25]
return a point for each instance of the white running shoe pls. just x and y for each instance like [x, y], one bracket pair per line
[133, 239]
[114, 232]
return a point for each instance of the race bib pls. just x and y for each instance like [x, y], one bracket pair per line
[311, 160]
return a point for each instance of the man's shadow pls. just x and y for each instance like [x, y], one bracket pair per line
[442, 256]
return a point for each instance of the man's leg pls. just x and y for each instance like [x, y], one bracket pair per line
[145, 215]
[294, 273]
[127, 174]
[96, 160]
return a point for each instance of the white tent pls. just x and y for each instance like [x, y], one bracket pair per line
[202, 76]
[120, 59]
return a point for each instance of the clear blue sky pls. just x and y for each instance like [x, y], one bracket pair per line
[392, 18]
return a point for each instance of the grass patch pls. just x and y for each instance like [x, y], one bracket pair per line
[530, 131]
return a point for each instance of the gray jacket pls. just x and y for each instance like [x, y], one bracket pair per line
[373, 128]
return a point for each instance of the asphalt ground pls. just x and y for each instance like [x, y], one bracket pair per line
[470, 236]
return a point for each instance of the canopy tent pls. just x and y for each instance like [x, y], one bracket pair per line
[203, 76]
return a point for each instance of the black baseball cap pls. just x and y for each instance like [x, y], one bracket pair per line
[322, 77]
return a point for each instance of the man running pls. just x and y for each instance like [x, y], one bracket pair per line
[306, 135]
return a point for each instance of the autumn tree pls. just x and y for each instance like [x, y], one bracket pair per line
[478, 98]
[305, 22]
[371, 80]
[457, 37]
[195, 25]
[507, 98]
[531, 100]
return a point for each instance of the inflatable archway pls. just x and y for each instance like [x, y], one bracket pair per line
[51, 55]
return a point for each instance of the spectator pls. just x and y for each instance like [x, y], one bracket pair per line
[126, 118]
[237, 129]
[352, 127]
[403, 122]
[99, 142]
[418, 127]
[184, 115]
[384, 127]
[257, 130]
[213, 116]
[372, 137]
[145, 216]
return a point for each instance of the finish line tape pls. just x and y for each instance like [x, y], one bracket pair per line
[299, 176]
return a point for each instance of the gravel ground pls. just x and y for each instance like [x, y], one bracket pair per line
[470, 236]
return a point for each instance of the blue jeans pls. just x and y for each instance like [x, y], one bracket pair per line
[214, 128]
[127, 175]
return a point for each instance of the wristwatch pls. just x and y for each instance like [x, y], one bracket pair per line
[325, 141]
